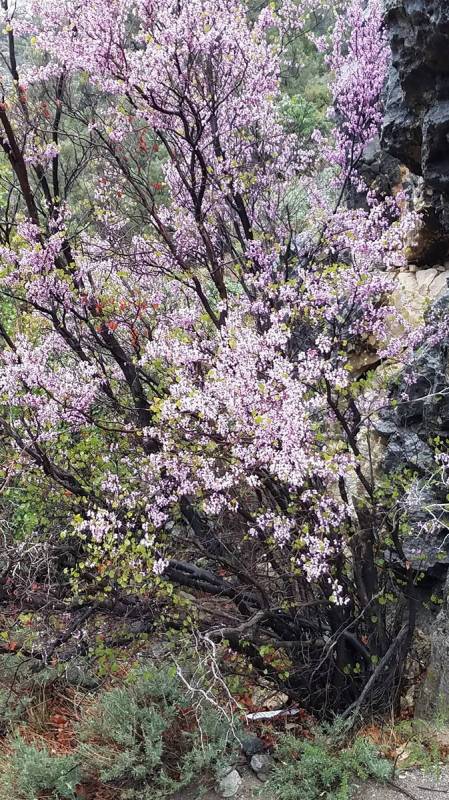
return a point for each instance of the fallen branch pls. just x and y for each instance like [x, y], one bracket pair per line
[401, 789]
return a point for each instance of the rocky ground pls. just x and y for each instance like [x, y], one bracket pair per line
[250, 789]
[413, 784]
[416, 785]
[242, 783]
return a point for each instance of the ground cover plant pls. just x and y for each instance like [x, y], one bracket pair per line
[141, 738]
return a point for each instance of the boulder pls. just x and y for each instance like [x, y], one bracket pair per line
[229, 783]
[415, 131]
[262, 765]
[251, 744]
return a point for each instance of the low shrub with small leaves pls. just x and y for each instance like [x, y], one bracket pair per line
[143, 739]
[32, 773]
[318, 770]
[12, 709]
[147, 733]
[28, 689]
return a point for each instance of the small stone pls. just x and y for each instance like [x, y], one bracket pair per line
[262, 765]
[251, 744]
[75, 675]
[229, 784]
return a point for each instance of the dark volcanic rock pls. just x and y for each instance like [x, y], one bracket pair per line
[406, 449]
[416, 121]
[409, 427]
[380, 171]
[426, 546]
[416, 132]
[252, 745]
[425, 383]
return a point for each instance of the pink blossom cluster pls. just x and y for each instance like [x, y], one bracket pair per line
[212, 355]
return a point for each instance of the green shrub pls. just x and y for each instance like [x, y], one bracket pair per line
[145, 736]
[26, 689]
[12, 709]
[31, 772]
[317, 770]
[302, 115]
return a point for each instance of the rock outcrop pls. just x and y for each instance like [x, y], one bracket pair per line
[434, 694]
[409, 428]
[416, 133]
[413, 427]
[416, 122]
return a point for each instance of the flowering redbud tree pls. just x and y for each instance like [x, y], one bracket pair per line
[179, 393]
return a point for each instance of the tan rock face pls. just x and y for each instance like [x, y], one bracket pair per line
[425, 277]
[415, 291]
